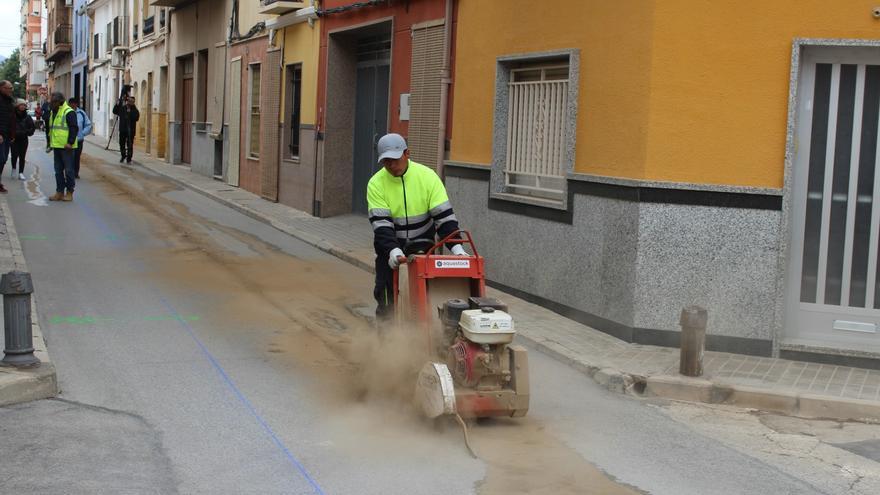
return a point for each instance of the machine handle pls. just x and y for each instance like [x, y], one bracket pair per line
[448, 240]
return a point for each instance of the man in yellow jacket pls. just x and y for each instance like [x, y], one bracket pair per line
[407, 201]
[62, 133]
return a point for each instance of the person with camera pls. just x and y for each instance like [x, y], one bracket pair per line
[127, 116]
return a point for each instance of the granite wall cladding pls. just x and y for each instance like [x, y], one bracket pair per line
[202, 153]
[174, 143]
[724, 259]
[588, 266]
[634, 263]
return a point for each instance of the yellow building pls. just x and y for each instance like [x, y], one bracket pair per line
[298, 38]
[657, 154]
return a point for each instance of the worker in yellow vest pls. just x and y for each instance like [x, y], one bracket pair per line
[63, 130]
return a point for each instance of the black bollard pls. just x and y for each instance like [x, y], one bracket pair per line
[17, 288]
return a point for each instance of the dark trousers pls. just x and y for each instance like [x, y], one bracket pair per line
[77, 154]
[19, 150]
[383, 291]
[126, 144]
[4, 152]
[64, 170]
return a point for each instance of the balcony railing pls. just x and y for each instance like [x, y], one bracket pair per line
[149, 25]
[59, 42]
[62, 34]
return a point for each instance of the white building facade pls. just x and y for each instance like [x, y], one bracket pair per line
[109, 29]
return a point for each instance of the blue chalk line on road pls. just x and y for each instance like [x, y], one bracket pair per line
[210, 357]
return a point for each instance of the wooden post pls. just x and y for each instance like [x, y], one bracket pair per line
[693, 340]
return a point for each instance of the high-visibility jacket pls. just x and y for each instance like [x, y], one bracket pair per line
[412, 206]
[59, 132]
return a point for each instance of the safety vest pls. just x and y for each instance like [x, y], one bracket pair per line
[412, 204]
[58, 130]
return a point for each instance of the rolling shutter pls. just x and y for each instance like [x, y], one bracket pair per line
[427, 64]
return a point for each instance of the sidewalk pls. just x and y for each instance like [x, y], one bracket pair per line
[22, 385]
[789, 387]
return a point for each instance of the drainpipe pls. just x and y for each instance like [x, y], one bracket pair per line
[445, 82]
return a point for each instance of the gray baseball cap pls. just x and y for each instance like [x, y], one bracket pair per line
[390, 146]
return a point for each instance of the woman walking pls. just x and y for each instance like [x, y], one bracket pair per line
[24, 128]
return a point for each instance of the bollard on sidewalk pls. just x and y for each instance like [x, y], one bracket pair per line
[17, 288]
[693, 340]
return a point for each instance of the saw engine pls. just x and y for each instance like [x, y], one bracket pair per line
[478, 356]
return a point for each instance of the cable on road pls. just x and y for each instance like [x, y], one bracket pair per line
[467, 441]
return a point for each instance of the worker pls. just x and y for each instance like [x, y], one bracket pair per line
[63, 129]
[407, 201]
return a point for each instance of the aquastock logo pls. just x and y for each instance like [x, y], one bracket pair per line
[452, 263]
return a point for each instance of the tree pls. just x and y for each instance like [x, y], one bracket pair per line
[9, 70]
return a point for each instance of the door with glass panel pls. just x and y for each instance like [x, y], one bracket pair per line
[833, 297]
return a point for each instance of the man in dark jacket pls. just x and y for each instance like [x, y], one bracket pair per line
[7, 124]
[127, 115]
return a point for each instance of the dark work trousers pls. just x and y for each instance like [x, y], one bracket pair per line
[19, 150]
[126, 143]
[384, 289]
[64, 170]
[77, 154]
[5, 146]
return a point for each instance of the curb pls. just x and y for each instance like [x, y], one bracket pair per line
[676, 387]
[786, 401]
[24, 385]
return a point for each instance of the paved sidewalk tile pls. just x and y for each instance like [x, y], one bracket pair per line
[350, 237]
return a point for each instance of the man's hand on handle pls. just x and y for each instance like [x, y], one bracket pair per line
[458, 250]
[395, 258]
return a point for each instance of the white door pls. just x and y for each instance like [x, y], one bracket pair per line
[833, 299]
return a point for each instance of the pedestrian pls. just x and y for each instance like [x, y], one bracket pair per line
[84, 124]
[44, 115]
[7, 125]
[38, 117]
[24, 129]
[63, 132]
[127, 118]
[407, 202]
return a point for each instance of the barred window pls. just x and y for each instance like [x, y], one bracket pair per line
[536, 138]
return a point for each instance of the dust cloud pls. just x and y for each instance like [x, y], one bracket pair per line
[299, 312]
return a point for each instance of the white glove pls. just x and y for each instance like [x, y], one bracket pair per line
[393, 262]
[458, 250]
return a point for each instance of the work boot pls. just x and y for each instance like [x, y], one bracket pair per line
[68, 196]
[56, 197]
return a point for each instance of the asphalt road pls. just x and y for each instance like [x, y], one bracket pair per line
[201, 351]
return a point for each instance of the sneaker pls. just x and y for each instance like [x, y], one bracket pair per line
[128, 160]
[21, 177]
[3, 189]
[122, 159]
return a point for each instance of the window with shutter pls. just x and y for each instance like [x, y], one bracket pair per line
[424, 100]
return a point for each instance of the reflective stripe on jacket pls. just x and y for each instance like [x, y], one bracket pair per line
[412, 206]
[59, 133]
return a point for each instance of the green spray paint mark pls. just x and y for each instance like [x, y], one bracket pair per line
[78, 320]
[93, 320]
